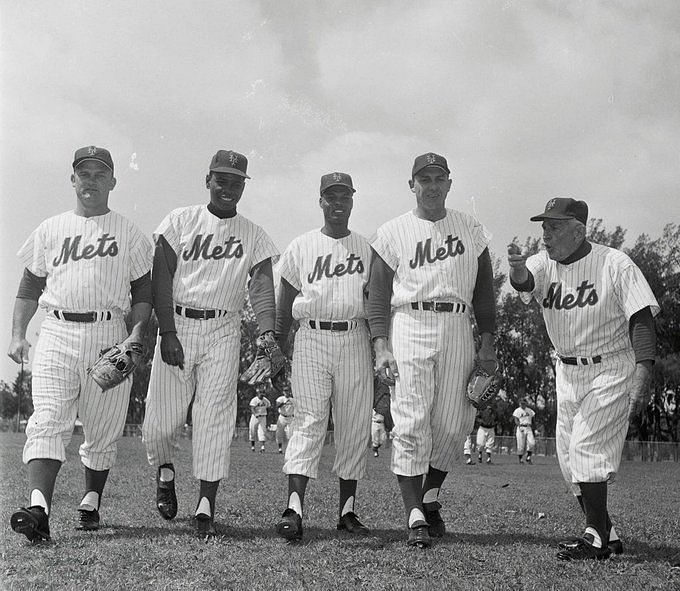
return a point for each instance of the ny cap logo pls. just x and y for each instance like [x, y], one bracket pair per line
[431, 158]
[337, 177]
[551, 204]
[92, 150]
[233, 158]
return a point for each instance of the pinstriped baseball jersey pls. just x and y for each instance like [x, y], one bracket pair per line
[286, 406]
[330, 274]
[587, 304]
[89, 262]
[214, 256]
[260, 406]
[524, 415]
[329, 368]
[432, 260]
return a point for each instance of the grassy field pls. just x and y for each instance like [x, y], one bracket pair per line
[503, 522]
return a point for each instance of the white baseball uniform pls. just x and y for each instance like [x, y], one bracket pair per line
[284, 423]
[432, 262]
[378, 431]
[258, 418]
[88, 263]
[214, 259]
[467, 446]
[587, 306]
[524, 432]
[332, 356]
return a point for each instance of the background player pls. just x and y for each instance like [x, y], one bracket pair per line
[431, 266]
[468, 450]
[486, 436]
[204, 258]
[285, 406]
[323, 277]
[598, 311]
[259, 405]
[524, 432]
[381, 423]
[81, 267]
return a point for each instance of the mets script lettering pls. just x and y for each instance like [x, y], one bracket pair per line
[232, 248]
[106, 246]
[322, 268]
[586, 296]
[453, 246]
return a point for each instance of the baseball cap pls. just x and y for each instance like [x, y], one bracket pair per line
[336, 178]
[229, 161]
[429, 159]
[564, 208]
[93, 153]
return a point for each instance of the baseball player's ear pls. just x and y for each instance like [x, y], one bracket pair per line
[207, 181]
[410, 184]
[112, 184]
[73, 180]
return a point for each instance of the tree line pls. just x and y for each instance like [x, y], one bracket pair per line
[522, 343]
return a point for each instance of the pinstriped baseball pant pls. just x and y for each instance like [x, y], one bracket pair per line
[62, 391]
[211, 357]
[331, 369]
[592, 417]
[435, 354]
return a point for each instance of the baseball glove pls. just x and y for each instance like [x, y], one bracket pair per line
[116, 364]
[268, 364]
[483, 385]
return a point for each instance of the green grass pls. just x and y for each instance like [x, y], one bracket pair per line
[496, 538]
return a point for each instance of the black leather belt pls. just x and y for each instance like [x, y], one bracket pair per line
[324, 325]
[439, 306]
[82, 316]
[581, 360]
[198, 314]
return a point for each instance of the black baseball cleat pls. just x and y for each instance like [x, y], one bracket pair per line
[419, 537]
[436, 525]
[205, 527]
[615, 546]
[166, 498]
[32, 522]
[583, 549]
[88, 520]
[290, 526]
[350, 523]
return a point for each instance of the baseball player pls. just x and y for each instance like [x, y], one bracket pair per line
[524, 432]
[598, 310]
[204, 258]
[258, 419]
[381, 423]
[486, 436]
[323, 277]
[82, 266]
[467, 450]
[286, 409]
[431, 267]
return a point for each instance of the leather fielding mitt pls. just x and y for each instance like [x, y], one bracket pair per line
[484, 383]
[116, 364]
[269, 361]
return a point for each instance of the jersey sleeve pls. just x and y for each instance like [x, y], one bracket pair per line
[515, 413]
[264, 248]
[289, 266]
[633, 291]
[384, 247]
[32, 253]
[481, 236]
[141, 254]
[168, 228]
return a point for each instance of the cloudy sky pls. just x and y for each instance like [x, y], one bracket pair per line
[527, 100]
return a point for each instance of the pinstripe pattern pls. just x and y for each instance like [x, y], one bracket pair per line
[62, 391]
[450, 279]
[586, 307]
[331, 369]
[211, 371]
[435, 354]
[486, 438]
[88, 262]
[214, 256]
[214, 259]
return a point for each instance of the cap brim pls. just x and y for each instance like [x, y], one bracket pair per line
[226, 169]
[446, 170]
[339, 185]
[77, 162]
[551, 216]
